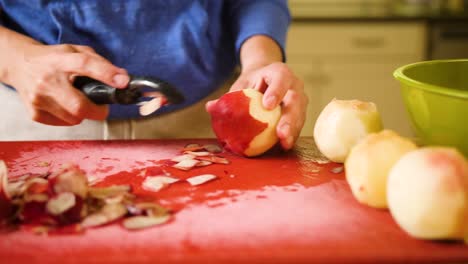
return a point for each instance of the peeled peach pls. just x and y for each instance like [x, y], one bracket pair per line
[342, 124]
[242, 124]
[369, 163]
[427, 193]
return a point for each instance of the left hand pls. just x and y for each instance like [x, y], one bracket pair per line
[280, 86]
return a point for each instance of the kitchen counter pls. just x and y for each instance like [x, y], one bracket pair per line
[278, 208]
[305, 11]
[381, 18]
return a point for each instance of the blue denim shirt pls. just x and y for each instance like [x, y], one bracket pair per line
[193, 44]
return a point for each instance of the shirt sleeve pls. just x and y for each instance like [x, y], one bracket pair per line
[259, 17]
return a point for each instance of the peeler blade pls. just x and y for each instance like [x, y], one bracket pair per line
[153, 87]
[139, 89]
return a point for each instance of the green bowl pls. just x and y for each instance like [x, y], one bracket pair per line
[436, 97]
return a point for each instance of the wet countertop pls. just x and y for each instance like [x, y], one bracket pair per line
[279, 208]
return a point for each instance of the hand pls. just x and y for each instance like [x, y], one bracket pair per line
[280, 86]
[43, 77]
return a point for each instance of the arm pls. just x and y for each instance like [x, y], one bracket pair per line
[249, 18]
[43, 74]
[259, 51]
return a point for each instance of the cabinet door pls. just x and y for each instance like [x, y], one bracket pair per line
[364, 38]
[359, 75]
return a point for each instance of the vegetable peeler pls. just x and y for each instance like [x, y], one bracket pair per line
[140, 90]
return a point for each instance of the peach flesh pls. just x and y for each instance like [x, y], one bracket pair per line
[428, 193]
[369, 163]
[342, 124]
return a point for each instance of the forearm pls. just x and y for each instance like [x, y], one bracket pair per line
[259, 51]
[12, 47]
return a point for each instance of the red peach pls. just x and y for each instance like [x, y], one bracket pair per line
[242, 124]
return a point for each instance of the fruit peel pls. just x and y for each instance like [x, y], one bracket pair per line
[6, 207]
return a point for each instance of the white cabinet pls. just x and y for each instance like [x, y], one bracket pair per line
[355, 61]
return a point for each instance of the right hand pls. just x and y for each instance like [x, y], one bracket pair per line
[43, 77]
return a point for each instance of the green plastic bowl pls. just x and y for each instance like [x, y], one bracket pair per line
[436, 97]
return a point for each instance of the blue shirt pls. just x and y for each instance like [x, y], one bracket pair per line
[193, 44]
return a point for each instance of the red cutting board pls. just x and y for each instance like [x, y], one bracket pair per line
[280, 208]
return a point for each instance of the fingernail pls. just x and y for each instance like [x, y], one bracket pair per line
[120, 80]
[270, 101]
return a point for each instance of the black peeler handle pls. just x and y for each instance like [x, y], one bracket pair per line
[100, 93]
